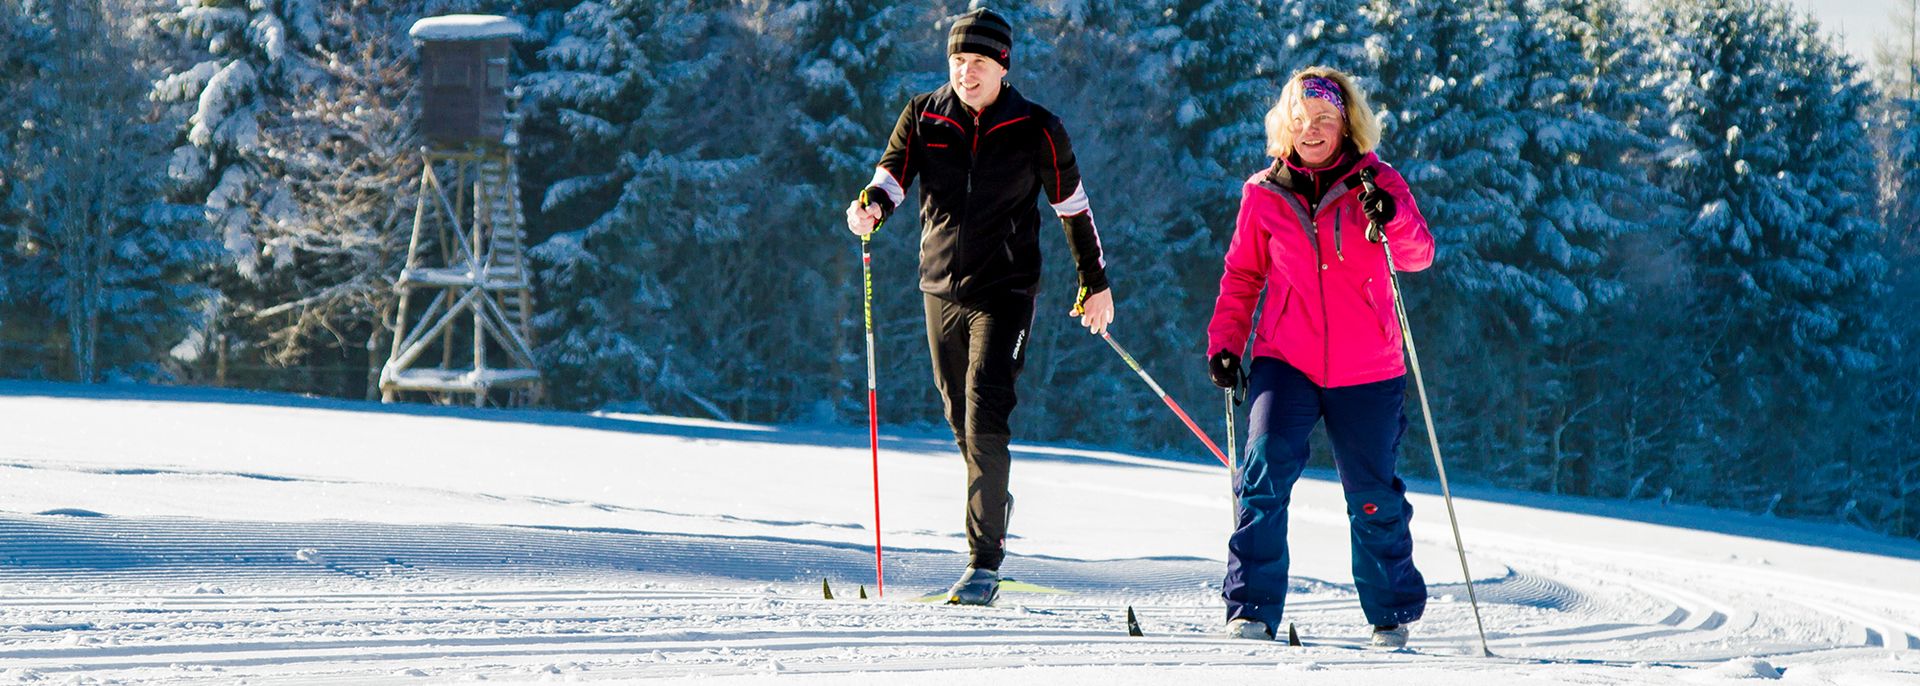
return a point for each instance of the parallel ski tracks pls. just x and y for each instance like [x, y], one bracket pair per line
[135, 597]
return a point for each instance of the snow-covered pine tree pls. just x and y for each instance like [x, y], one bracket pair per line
[333, 227]
[1849, 285]
[1100, 68]
[854, 64]
[1897, 130]
[1223, 61]
[97, 281]
[1893, 499]
[1578, 104]
[1447, 84]
[1900, 172]
[1771, 156]
[1630, 352]
[1225, 65]
[1890, 497]
[29, 51]
[1330, 33]
[639, 232]
[850, 66]
[297, 118]
[257, 55]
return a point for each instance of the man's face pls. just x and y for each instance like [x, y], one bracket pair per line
[976, 78]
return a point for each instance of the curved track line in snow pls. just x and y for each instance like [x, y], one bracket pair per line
[567, 578]
[1760, 592]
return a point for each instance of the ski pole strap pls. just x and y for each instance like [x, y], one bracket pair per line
[1080, 302]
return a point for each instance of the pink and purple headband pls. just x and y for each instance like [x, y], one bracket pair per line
[1325, 89]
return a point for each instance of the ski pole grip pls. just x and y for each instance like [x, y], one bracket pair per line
[864, 202]
[1374, 232]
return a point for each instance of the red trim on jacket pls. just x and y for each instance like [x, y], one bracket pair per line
[996, 127]
[944, 119]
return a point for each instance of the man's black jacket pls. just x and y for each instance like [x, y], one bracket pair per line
[979, 224]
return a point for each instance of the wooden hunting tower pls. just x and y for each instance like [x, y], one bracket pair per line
[463, 70]
[468, 246]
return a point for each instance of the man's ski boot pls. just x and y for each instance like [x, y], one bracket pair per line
[1390, 636]
[975, 587]
[1247, 628]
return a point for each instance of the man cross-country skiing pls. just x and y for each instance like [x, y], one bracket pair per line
[982, 153]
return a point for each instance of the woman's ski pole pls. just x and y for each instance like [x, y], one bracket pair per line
[1433, 439]
[1234, 396]
[1232, 456]
[1163, 396]
[1233, 464]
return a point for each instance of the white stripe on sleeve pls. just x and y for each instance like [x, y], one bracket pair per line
[883, 180]
[1074, 204]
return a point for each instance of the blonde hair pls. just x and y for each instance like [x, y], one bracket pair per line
[1362, 127]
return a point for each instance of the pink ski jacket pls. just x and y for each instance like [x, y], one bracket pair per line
[1329, 307]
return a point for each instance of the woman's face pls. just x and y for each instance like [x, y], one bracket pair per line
[1318, 130]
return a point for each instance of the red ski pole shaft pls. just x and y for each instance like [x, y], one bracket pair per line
[1165, 398]
[873, 400]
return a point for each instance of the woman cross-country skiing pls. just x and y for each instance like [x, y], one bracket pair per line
[1328, 348]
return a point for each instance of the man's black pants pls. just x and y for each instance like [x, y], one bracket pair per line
[978, 351]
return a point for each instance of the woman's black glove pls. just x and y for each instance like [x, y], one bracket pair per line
[1224, 369]
[1378, 206]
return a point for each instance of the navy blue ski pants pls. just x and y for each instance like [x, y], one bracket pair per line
[1365, 423]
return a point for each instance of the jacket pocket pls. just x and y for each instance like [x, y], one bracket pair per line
[1380, 314]
[1273, 312]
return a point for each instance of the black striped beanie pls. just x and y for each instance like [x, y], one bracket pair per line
[982, 32]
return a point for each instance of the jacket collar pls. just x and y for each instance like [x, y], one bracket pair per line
[1008, 107]
[1319, 184]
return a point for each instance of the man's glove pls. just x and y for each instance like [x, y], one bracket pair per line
[1224, 369]
[1378, 206]
[879, 198]
[867, 212]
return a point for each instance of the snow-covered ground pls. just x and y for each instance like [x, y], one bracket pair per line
[176, 535]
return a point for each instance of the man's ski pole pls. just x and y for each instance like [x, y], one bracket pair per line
[1433, 439]
[873, 398]
[1163, 396]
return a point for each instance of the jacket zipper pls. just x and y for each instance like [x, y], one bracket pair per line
[959, 237]
[973, 155]
[1312, 229]
[1336, 235]
[1326, 318]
